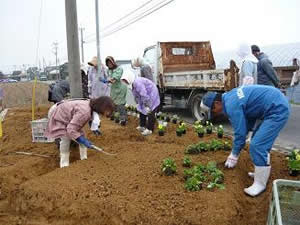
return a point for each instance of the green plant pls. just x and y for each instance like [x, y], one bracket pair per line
[294, 162]
[199, 129]
[220, 131]
[117, 117]
[169, 166]
[161, 128]
[187, 162]
[162, 116]
[191, 149]
[201, 175]
[182, 127]
[193, 184]
[167, 118]
[175, 118]
[227, 146]
[216, 145]
[209, 127]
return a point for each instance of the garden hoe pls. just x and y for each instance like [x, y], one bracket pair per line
[94, 147]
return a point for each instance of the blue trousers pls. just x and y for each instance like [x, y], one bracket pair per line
[265, 134]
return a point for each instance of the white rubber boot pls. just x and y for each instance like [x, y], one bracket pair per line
[261, 177]
[64, 149]
[83, 152]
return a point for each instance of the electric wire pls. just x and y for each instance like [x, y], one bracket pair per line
[135, 19]
[122, 18]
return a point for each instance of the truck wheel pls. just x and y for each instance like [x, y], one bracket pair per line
[198, 114]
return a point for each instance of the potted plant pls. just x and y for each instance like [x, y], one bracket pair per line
[158, 115]
[227, 146]
[133, 110]
[169, 166]
[220, 131]
[183, 127]
[167, 118]
[112, 117]
[209, 127]
[294, 162]
[199, 130]
[179, 131]
[117, 117]
[161, 130]
[174, 119]
[187, 162]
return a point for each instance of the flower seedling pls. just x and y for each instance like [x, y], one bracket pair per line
[220, 131]
[294, 162]
[169, 166]
[183, 127]
[167, 118]
[193, 184]
[199, 130]
[161, 130]
[216, 145]
[209, 127]
[117, 117]
[227, 146]
[158, 115]
[175, 118]
[187, 162]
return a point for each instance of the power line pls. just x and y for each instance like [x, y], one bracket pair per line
[123, 17]
[135, 19]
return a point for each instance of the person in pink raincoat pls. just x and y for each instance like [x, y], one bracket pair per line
[67, 119]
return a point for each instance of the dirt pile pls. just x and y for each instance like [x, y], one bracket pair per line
[126, 189]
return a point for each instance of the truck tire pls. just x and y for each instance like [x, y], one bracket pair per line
[198, 114]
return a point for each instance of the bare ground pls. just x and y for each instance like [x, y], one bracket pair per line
[126, 189]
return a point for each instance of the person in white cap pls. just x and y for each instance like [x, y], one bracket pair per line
[248, 72]
[145, 69]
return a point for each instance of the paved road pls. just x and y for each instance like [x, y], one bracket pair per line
[289, 137]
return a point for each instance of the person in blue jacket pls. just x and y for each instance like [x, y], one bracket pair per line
[243, 106]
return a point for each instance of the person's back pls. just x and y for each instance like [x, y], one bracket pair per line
[60, 91]
[266, 74]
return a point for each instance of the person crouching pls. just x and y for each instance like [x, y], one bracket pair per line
[146, 96]
[67, 118]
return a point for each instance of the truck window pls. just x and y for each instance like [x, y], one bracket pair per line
[149, 55]
[182, 51]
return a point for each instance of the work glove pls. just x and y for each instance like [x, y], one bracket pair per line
[103, 80]
[231, 161]
[82, 140]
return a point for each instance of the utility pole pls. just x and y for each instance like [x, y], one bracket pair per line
[82, 42]
[55, 47]
[73, 49]
[98, 39]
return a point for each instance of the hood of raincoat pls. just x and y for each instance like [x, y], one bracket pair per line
[244, 52]
[129, 76]
[137, 62]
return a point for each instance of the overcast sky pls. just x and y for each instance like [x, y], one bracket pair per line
[225, 23]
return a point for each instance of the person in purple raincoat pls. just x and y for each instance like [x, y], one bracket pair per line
[146, 96]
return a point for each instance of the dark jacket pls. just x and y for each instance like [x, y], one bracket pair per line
[266, 75]
[59, 91]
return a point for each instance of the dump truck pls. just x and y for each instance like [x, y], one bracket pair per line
[185, 71]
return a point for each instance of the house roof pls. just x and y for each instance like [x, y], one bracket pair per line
[280, 55]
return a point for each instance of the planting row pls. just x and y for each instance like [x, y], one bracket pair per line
[198, 177]
[212, 145]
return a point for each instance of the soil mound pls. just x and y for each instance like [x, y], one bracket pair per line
[125, 189]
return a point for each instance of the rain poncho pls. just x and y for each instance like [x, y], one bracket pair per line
[97, 87]
[118, 90]
[248, 73]
[144, 91]
[247, 104]
[60, 90]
